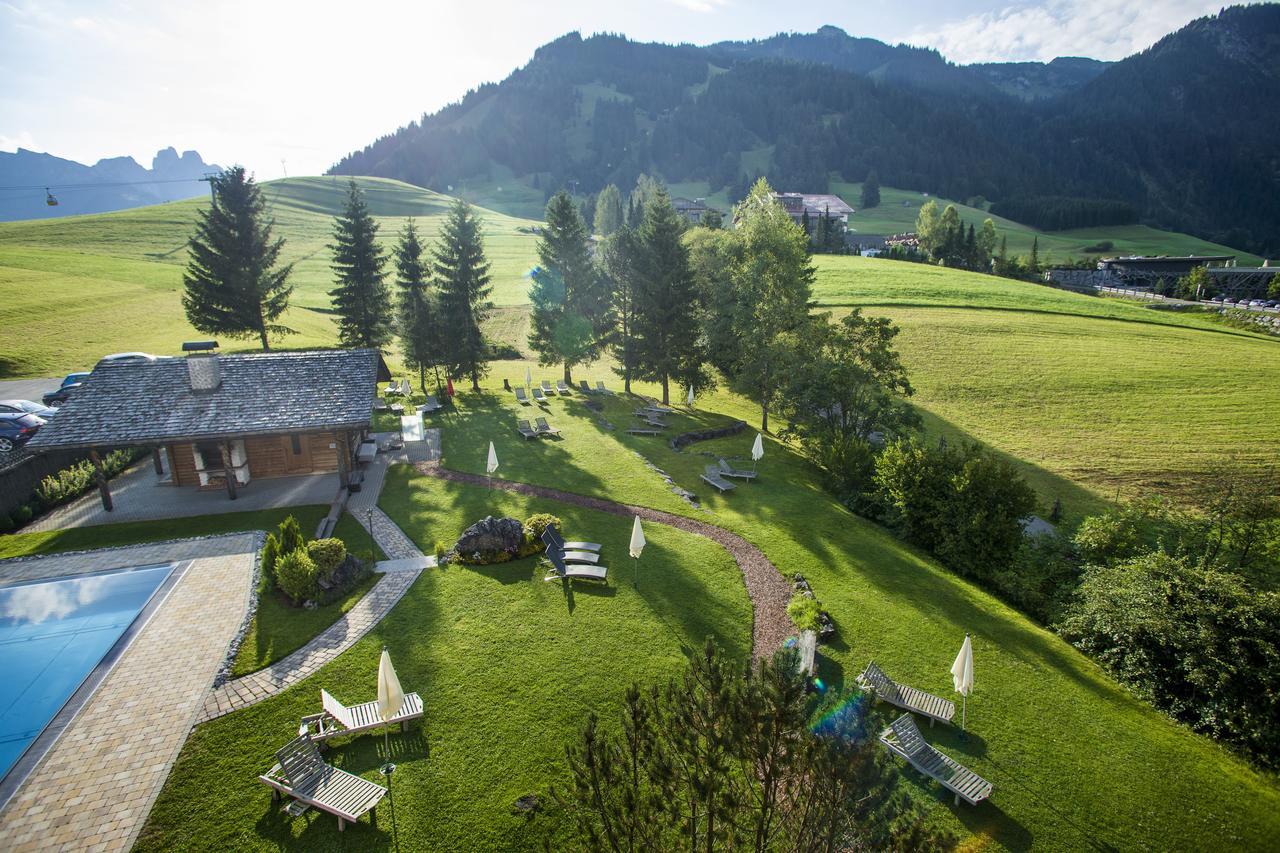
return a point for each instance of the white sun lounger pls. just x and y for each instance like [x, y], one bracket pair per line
[521, 397]
[903, 739]
[582, 546]
[539, 396]
[546, 387]
[338, 719]
[302, 774]
[580, 571]
[581, 557]
[561, 387]
[904, 697]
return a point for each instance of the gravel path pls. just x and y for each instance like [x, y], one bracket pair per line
[768, 590]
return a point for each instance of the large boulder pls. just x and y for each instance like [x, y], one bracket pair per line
[488, 538]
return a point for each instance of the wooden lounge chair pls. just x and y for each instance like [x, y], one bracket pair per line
[581, 546]
[644, 431]
[521, 397]
[545, 428]
[581, 557]
[741, 473]
[338, 719]
[712, 475]
[580, 571]
[546, 387]
[561, 387]
[584, 387]
[603, 390]
[392, 388]
[655, 406]
[379, 404]
[524, 429]
[432, 405]
[302, 774]
[904, 697]
[539, 396]
[903, 738]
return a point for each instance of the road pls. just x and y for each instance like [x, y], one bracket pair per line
[27, 389]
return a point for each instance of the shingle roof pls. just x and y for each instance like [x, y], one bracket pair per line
[152, 402]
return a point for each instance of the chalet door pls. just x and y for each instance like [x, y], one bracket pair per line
[297, 454]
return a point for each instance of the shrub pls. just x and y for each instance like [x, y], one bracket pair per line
[534, 526]
[327, 554]
[296, 575]
[22, 514]
[291, 538]
[803, 611]
[442, 552]
[270, 556]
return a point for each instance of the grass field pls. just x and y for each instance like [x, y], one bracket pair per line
[508, 668]
[81, 287]
[498, 657]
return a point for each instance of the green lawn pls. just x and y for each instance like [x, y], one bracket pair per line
[279, 628]
[76, 288]
[508, 667]
[1075, 759]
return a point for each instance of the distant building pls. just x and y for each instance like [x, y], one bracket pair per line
[816, 205]
[1141, 272]
[693, 210]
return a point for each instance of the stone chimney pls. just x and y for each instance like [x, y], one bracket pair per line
[203, 368]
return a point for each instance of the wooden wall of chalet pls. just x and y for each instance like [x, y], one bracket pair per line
[268, 456]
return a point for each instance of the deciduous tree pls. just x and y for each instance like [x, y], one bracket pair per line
[608, 214]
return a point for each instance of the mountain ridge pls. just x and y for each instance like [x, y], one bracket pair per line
[1175, 138]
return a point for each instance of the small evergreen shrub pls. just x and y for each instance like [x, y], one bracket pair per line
[291, 538]
[803, 611]
[6, 523]
[534, 526]
[442, 552]
[327, 554]
[296, 575]
[22, 514]
[270, 556]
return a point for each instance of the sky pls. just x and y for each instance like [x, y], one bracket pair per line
[287, 87]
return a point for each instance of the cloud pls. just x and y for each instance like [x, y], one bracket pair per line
[700, 5]
[1102, 29]
[22, 139]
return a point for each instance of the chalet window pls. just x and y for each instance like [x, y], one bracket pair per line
[210, 454]
[295, 441]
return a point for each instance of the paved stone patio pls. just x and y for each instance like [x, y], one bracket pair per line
[138, 496]
[95, 786]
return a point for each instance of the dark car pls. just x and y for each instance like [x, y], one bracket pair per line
[16, 430]
[56, 398]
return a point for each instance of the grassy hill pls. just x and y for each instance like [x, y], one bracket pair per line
[84, 286]
[1093, 395]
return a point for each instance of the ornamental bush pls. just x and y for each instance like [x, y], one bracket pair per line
[327, 554]
[270, 556]
[296, 575]
[291, 538]
[803, 611]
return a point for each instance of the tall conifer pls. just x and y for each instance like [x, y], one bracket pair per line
[463, 272]
[361, 299]
[418, 308]
[570, 310]
[232, 284]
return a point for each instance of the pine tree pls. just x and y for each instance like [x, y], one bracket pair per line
[232, 285]
[419, 326]
[618, 263]
[608, 218]
[361, 299]
[1033, 263]
[463, 272]
[1002, 259]
[971, 248]
[570, 312]
[871, 190]
[666, 321]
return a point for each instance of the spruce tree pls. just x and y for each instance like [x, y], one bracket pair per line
[419, 326]
[1033, 263]
[361, 299]
[666, 321]
[232, 284]
[871, 190]
[618, 264]
[570, 312]
[463, 271]
[608, 213]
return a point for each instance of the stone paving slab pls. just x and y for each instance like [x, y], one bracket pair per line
[335, 640]
[407, 564]
[96, 785]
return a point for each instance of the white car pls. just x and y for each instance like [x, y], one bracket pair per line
[132, 356]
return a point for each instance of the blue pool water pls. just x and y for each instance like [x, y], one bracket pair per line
[52, 635]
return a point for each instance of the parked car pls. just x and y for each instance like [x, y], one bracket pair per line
[17, 429]
[56, 398]
[26, 407]
[132, 356]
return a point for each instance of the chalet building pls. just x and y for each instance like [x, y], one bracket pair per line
[816, 205]
[224, 421]
[694, 210]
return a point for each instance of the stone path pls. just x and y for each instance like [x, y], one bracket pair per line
[768, 590]
[405, 562]
[97, 783]
[335, 640]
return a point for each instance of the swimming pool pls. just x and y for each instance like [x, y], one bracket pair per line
[53, 633]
